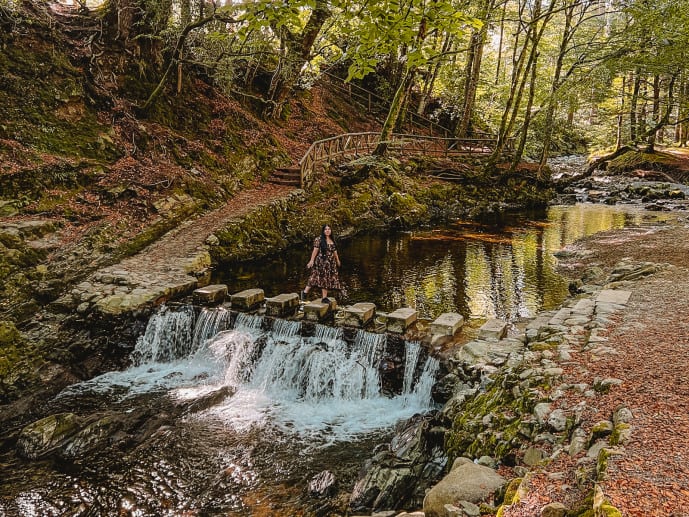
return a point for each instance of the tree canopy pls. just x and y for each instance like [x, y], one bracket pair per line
[541, 76]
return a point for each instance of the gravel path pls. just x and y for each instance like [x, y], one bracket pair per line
[183, 240]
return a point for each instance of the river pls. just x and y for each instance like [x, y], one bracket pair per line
[294, 404]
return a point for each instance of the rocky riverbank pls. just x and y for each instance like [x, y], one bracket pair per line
[502, 384]
[501, 418]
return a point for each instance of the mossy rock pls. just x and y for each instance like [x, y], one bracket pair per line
[632, 160]
[9, 334]
[512, 491]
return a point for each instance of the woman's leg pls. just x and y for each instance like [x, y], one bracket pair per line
[324, 292]
[305, 292]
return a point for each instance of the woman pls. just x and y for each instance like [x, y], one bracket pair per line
[324, 261]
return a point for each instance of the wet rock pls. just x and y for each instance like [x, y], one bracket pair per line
[210, 399]
[92, 437]
[466, 481]
[323, 484]
[42, 437]
[211, 294]
[444, 389]
[400, 475]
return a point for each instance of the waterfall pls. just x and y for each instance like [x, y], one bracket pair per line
[323, 387]
[234, 351]
[286, 328]
[411, 359]
[168, 336]
[421, 395]
[209, 323]
[248, 322]
[322, 367]
[326, 333]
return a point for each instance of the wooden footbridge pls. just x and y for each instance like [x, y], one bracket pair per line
[337, 149]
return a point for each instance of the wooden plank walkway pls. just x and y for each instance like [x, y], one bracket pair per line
[336, 149]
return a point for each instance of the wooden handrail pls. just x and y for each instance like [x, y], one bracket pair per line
[348, 144]
[365, 97]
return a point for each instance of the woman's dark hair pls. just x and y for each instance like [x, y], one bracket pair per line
[324, 242]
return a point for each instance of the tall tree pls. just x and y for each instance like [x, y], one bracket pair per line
[389, 25]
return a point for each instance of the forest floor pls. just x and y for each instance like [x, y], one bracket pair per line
[650, 355]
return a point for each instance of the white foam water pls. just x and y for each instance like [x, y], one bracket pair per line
[320, 386]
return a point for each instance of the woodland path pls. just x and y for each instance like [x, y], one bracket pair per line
[649, 352]
[165, 269]
[183, 240]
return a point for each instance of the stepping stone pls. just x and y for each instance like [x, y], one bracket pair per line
[447, 324]
[398, 321]
[613, 296]
[358, 315]
[318, 311]
[247, 300]
[211, 294]
[493, 329]
[282, 305]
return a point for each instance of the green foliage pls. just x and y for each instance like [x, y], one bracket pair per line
[383, 27]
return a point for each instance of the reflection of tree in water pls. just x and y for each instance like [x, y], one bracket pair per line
[474, 269]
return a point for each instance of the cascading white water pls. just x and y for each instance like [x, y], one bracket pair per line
[209, 323]
[421, 393]
[320, 386]
[168, 336]
[411, 359]
[248, 321]
[286, 328]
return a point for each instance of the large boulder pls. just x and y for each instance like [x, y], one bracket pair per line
[466, 481]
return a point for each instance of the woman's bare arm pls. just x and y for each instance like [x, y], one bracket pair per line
[313, 256]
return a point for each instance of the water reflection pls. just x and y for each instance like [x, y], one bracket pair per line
[505, 269]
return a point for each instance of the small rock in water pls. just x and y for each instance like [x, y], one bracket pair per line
[323, 484]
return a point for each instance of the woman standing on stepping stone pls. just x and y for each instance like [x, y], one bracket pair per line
[323, 264]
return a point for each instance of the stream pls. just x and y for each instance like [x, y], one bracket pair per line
[226, 414]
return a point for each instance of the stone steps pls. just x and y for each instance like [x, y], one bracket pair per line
[360, 315]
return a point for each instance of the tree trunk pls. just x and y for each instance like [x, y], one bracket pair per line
[651, 141]
[520, 76]
[398, 101]
[175, 57]
[533, 59]
[138, 25]
[620, 115]
[428, 90]
[502, 33]
[633, 102]
[555, 86]
[473, 72]
[683, 112]
[297, 54]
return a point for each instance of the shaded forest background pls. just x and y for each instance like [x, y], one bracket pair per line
[554, 76]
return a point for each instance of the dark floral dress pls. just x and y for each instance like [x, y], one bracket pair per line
[324, 272]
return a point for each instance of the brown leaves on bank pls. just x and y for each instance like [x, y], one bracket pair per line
[650, 475]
